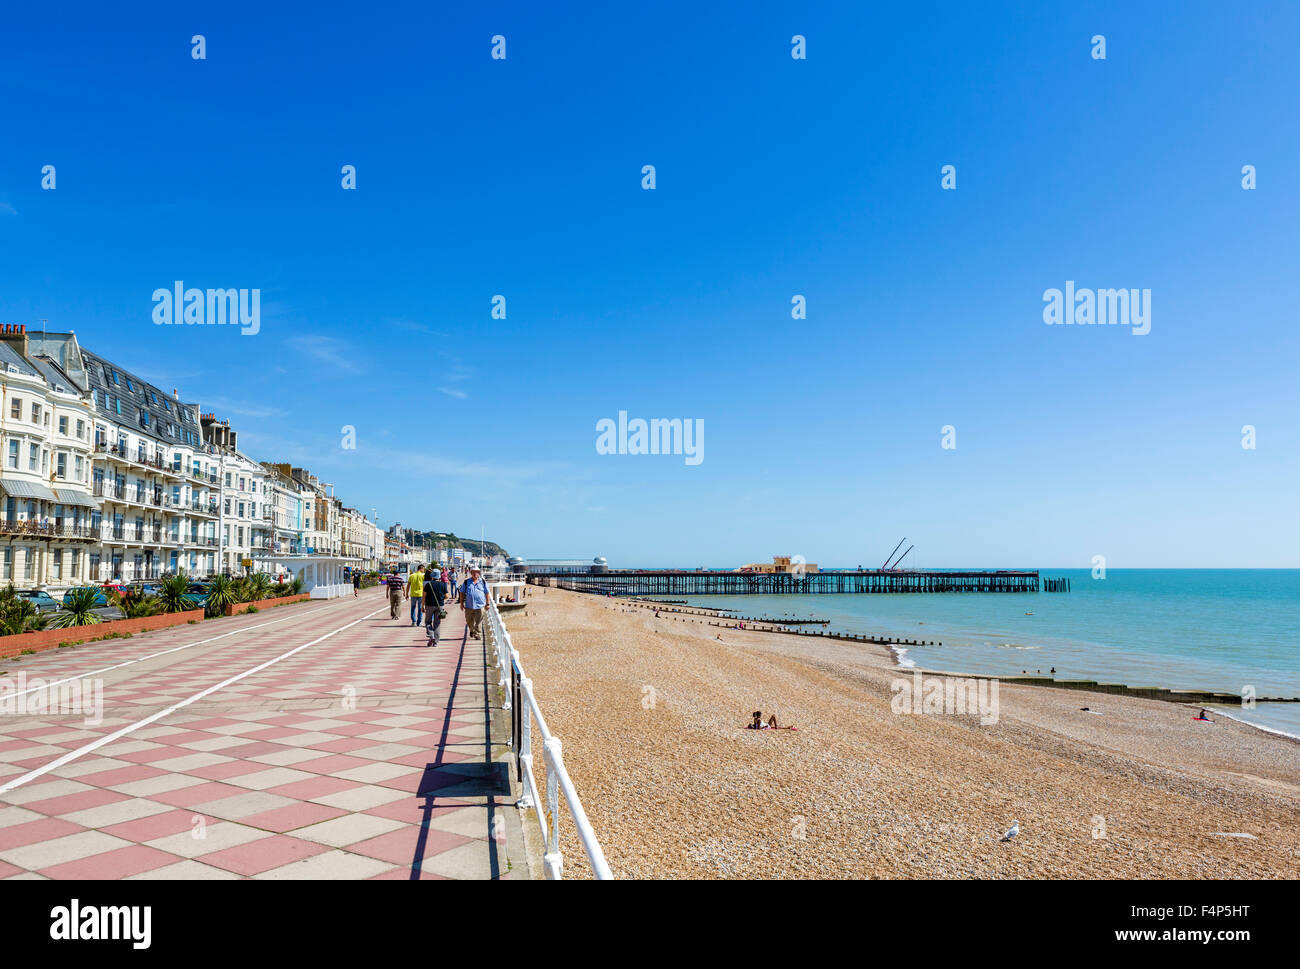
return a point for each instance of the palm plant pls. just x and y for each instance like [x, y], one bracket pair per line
[241, 589]
[137, 607]
[221, 593]
[78, 610]
[259, 586]
[16, 616]
[294, 586]
[174, 593]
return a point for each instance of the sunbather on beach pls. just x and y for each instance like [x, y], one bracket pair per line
[771, 723]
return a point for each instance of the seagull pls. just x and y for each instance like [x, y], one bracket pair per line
[1012, 831]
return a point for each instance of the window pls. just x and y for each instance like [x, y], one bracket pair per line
[29, 562]
[36, 413]
[81, 430]
[129, 385]
[63, 425]
[33, 457]
[16, 409]
[61, 465]
[58, 565]
[227, 479]
[81, 469]
[241, 513]
[114, 373]
[13, 455]
[227, 506]
[45, 461]
[9, 563]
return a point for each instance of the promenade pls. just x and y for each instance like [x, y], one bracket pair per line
[319, 740]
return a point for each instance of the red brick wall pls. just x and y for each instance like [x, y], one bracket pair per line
[44, 639]
[239, 607]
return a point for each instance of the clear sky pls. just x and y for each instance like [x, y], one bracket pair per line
[774, 177]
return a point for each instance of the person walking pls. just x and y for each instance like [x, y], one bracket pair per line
[356, 584]
[395, 586]
[435, 594]
[416, 589]
[474, 599]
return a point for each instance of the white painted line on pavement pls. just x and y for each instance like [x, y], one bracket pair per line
[129, 728]
[174, 649]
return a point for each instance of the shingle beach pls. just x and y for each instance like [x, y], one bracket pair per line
[652, 716]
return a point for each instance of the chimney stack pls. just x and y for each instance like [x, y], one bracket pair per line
[15, 334]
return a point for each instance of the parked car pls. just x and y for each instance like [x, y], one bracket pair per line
[143, 588]
[100, 598]
[42, 600]
[102, 607]
[199, 593]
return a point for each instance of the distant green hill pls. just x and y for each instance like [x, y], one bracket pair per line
[471, 545]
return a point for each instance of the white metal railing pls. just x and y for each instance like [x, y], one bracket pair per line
[517, 689]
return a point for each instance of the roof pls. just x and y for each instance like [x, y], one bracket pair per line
[123, 395]
[9, 357]
[55, 376]
[69, 497]
[26, 489]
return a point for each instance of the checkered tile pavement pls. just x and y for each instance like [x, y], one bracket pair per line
[366, 755]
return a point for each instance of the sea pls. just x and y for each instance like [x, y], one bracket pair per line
[1201, 629]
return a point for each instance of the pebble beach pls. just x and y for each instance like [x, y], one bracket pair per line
[652, 715]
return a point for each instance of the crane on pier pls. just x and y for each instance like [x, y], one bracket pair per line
[891, 554]
[894, 567]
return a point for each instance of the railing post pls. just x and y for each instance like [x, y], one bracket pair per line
[526, 740]
[553, 859]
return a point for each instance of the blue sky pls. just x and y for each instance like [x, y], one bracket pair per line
[775, 177]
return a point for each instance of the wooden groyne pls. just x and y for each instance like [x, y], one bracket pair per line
[1196, 697]
[629, 582]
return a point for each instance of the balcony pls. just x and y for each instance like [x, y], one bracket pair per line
[56, 530]
[113, 490]
[129, 533]
[115, 451]
[140, 457]
[128, 572]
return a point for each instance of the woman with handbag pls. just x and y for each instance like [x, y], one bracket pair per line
[435, 595]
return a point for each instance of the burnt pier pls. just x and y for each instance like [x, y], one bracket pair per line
[676, 582]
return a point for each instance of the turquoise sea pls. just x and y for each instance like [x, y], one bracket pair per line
[1177, 628]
